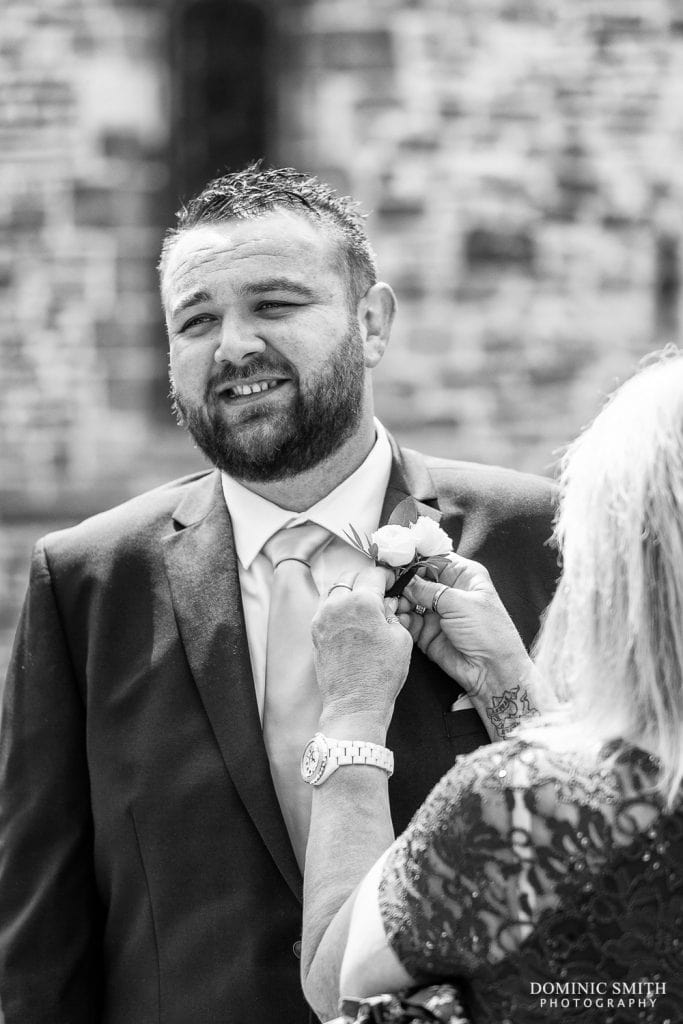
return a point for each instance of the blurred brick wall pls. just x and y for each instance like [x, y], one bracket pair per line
[83, 132]
[82, 135]
[521, 162]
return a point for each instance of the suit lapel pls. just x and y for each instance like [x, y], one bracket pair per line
[201, 566]
[412, 492]
[409, 489]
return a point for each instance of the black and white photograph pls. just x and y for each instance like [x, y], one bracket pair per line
[341, 512]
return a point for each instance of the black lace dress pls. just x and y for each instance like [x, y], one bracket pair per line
[548, 890]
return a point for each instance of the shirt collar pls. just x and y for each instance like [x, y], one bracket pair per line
[357, 500]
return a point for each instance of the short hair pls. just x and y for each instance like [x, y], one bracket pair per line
[612, 641]
[256, 190]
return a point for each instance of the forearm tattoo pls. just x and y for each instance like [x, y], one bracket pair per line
[508, 709]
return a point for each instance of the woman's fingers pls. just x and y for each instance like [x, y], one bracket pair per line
[430, 628]
[356, 594]
[437, 597]
[390, 607]
[412, 622]
[465, 574]
[342, 586]
[376, 580]
[461, 576]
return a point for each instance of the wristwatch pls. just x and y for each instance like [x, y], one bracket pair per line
[322, 756]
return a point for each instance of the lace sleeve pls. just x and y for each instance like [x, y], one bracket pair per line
[466, 882]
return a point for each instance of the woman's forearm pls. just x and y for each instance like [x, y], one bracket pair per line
[511, 696]
[350, 829]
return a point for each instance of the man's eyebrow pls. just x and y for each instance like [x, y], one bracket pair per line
[277, 284]
[193, 299]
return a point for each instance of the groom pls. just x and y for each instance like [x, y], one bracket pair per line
[152, 821]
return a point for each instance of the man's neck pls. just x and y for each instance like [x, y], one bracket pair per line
[300, 492]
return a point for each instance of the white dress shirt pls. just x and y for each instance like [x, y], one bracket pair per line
[357, 501]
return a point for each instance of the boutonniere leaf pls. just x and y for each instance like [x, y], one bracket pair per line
[406, 549]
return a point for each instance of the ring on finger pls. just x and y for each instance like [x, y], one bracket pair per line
[437, 597]
[420, 609]
[336, 586]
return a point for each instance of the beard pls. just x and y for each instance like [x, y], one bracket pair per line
[271, 444]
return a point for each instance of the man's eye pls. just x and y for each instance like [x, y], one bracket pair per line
[196, 321]
[274, 305]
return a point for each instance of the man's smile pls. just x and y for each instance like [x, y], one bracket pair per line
[248, 390]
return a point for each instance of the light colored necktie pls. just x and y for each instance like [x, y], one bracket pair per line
[292, 705]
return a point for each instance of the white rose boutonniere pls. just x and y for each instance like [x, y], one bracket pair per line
[395, 546]
[429, 538]
[405, 549]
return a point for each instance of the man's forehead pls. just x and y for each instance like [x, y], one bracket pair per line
[279, 235]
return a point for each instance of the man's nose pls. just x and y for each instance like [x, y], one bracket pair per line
[237, 343]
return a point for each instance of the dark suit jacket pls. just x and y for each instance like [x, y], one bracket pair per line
[145, 872]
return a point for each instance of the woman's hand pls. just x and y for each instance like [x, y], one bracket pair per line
[362, 652]
[470, 635]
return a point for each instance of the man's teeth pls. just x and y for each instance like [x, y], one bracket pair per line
[252, 389]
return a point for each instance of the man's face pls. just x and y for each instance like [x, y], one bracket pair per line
[266, 359]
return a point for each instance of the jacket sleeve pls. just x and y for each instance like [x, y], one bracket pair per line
[50, 920]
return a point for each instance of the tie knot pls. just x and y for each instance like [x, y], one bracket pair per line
[298, 543]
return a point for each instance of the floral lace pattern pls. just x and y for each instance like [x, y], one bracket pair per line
[527, 867]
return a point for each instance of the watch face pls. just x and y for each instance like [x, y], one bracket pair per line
[313, 760]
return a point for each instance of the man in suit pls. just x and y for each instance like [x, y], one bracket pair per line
[149, 870]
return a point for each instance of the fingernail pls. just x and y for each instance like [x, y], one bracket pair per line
[392, 604]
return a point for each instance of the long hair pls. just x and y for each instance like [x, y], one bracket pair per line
[612, 640]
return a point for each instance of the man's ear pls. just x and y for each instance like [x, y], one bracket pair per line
[376, 314]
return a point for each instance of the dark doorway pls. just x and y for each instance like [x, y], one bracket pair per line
[219, 62]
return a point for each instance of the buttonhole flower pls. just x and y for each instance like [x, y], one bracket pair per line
[405, 549]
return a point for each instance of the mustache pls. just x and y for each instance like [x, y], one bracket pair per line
[258, 365]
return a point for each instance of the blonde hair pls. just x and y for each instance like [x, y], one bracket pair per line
[612, 640]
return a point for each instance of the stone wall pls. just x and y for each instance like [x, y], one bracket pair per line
[520, 161]
[83, 131]
[82, 134]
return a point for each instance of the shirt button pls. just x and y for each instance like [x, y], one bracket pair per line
[296, 949]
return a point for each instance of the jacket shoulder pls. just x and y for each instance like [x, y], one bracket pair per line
[473, 486]
[130, 527]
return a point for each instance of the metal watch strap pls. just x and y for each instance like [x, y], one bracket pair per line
[361, 752]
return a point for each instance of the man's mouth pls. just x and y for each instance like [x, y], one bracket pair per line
[254, 387]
